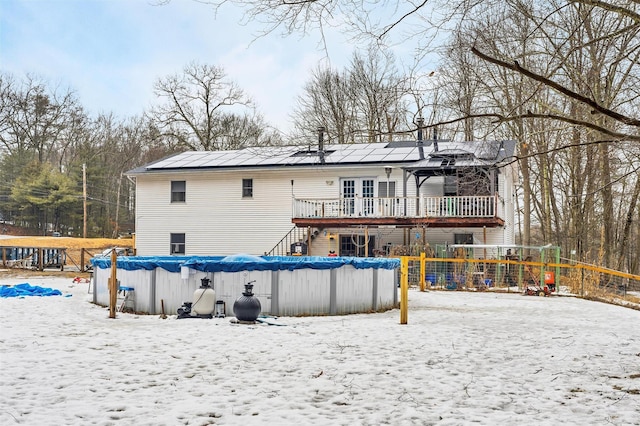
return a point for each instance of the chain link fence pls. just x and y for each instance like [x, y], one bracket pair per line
[534, 272]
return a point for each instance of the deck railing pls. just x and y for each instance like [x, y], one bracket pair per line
[411, 207]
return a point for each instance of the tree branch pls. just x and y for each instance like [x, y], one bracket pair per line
[558, 87]
[499, 118]
[611, 7]
[391, 26]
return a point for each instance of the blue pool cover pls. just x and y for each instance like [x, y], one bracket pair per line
[243, 262]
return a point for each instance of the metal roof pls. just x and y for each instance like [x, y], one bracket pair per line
[407, 153]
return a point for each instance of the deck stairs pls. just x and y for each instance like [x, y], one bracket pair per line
[295, 235]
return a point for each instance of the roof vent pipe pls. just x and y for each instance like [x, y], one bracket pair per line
[420, 122]
[435, 139]
[321, 144]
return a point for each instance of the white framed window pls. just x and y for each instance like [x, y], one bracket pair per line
[177, 244]
[386, 189]
[178, 191]
[247, 188]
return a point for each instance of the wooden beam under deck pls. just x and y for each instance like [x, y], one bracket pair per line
[400, 222]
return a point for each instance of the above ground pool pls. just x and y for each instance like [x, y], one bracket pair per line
[285, 285]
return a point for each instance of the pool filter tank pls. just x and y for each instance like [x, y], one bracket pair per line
[204, 299]
[247, 307]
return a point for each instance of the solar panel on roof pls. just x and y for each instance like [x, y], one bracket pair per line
[395, 157]
[400, 144]
[358, 153]
[376, 157]
[295, 160]
[381, 152]
[337, 157]
[271, 160]
[487, 151]
[403, 150]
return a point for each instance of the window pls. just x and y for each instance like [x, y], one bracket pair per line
[388, 205]
[178, 191]
[450, 186]
[387, 189]
[177, 244]
[247, 188]
[354, 245]
[463, 238]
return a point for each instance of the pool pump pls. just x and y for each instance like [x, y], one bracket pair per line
[203, 305]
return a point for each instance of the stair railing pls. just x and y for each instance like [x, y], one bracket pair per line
[283, 247]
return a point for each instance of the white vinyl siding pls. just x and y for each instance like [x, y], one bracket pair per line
[216, 220]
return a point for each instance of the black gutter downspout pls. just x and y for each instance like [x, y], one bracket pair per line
[321, 144]
[420, 122]
[405, 177]
[421, 153]
[435, 139]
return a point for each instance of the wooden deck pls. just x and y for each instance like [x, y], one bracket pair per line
[400, 212]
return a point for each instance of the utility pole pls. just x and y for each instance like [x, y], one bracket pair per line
[84, 200]
[117, 228]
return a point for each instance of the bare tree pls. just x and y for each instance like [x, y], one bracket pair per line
[364, 102]
[203, 110]
[327, 101]
[34, 117]
[462, 84]
[379, 93]
[582, 63]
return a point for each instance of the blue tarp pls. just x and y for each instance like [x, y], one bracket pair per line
[26, 289]
[237, 263]
[149, 263]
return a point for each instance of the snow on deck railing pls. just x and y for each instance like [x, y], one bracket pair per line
[446, 206]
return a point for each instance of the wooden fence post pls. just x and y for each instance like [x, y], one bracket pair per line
[404, 289]
[113, 285]
[423, 272]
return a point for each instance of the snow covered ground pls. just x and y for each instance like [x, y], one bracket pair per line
[464, 358]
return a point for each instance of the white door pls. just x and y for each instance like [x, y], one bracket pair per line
[357, 196]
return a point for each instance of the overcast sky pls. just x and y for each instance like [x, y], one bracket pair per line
[111, 51]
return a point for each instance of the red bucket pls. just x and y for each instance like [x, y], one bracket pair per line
[549, 278]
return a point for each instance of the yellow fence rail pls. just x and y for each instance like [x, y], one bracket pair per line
[533, 277]
[466, 274]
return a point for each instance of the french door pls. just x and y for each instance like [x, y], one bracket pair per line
[357, 196]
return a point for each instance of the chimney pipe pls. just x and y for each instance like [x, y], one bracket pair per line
[435, 139]
[321, 144]
[420, 122]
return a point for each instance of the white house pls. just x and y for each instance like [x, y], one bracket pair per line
[348, 200]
